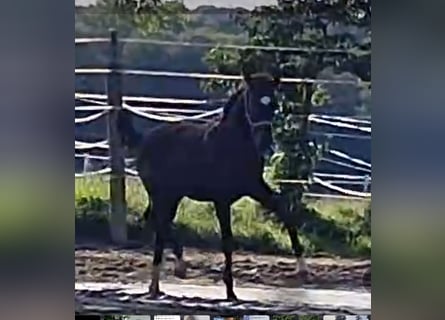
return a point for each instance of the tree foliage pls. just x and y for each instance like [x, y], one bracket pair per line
[143, 17]
[331, 34]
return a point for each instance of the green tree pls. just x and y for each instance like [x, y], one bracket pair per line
[132, 19]
[129, 17]
[335, 34]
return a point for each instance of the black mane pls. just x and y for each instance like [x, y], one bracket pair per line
[231, 102]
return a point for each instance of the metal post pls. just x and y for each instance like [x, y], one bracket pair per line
[118, 210]
[86, 164]
[366, 183]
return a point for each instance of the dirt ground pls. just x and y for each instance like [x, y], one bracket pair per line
[265, 278]
[205, 268]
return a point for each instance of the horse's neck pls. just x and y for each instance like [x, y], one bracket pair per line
[234, 116]
[232, 122]
[234, 132]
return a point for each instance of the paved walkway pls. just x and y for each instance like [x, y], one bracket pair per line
[133, 298]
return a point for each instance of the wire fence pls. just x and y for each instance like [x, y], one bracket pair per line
[222, 46]
[175, 116]
[209, 76]
[99, 40]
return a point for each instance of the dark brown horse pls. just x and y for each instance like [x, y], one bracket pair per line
[220, 161]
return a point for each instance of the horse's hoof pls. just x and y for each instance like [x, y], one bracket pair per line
[231, 296]
[155, 294]
[180, 270]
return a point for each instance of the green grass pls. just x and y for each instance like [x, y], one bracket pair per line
[329, 226]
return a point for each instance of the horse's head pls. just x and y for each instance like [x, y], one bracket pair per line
[260, 104]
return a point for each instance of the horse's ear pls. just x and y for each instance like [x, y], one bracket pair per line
[246, 64]
[246, 74]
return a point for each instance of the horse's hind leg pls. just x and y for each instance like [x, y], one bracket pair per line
[161, 211]
[177, 248]
[147, 231]
[275, 202]
[224, 218]
[147, 216]
[180, 266]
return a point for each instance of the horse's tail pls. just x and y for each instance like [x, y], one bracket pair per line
[131, 137]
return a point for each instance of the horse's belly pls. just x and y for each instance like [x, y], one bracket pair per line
[200, 197]
[210, 195]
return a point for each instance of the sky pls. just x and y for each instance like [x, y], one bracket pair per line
[249, 4]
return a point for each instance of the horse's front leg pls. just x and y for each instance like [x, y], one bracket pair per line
[164, 209]
[224, 218]
[275, 202]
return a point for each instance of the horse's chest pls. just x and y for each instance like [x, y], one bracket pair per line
[212, 192]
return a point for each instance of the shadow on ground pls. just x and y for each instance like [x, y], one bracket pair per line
[326, 237]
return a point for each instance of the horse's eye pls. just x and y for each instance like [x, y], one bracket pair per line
[265, 100]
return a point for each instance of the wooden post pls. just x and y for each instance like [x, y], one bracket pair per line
[118, 209]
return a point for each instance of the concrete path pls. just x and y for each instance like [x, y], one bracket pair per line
[115, 297]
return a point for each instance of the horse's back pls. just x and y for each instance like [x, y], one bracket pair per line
[179, 148]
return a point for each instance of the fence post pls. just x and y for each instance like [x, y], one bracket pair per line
[366, 183]
[118, 209]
